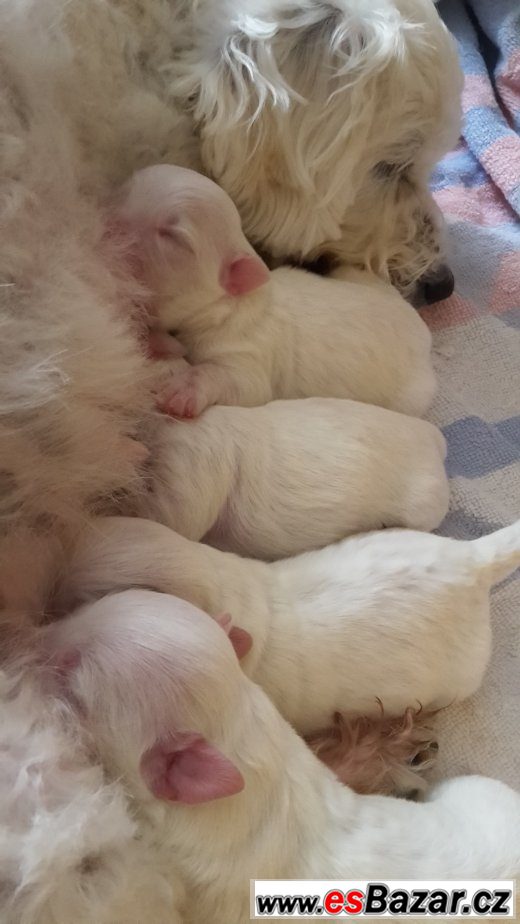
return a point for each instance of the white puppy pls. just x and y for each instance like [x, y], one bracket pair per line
[294, 475]
[253, 336]
[68, 846]
[161, 690]
[396, 616]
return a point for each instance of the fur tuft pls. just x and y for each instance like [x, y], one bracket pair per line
[386, 756]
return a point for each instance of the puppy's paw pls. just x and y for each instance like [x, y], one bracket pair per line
[159, 344]
[184, 397]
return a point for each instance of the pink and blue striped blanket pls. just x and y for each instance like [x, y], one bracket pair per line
[477, 347]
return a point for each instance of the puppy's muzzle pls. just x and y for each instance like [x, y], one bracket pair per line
[436, 285]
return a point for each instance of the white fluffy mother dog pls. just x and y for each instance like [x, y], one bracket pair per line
[322, 121]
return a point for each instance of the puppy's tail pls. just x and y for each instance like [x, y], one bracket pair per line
[498, 555]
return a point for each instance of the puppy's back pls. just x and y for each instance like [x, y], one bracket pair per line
[297, 475]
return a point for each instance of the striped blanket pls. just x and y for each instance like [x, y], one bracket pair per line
[477, 345]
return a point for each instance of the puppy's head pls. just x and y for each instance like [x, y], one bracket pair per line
[190, 247]
[156, 682]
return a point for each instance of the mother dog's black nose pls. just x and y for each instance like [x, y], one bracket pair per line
[437, 284]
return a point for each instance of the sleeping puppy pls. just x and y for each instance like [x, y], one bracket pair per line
[295, 475]
[226, 787]
[397, 617]
[251, 335]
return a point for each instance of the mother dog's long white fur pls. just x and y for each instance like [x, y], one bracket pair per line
[396, 616]
[323, 121]
[295, 475]
[339, 111]
[72, 378]
[68, 845]
[160, 688]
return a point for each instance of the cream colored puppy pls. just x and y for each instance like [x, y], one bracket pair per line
[251, 335]
[396, 616]
[295, 475]
[159, 687]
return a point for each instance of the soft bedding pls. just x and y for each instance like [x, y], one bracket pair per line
[477, 346]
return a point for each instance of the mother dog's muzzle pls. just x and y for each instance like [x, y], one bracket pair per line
[436, 285]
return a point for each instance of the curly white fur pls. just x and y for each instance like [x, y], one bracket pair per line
[338, 112]
[322, 120]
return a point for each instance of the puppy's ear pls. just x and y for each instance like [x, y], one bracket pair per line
[240, 639]
[185, 768]
[243, 274]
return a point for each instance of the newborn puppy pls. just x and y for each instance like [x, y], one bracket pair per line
[161, 691]
[295, 475]
[253, 336]
[396, 617]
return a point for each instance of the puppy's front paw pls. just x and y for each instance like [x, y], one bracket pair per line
[159, 344]
[184, 397]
